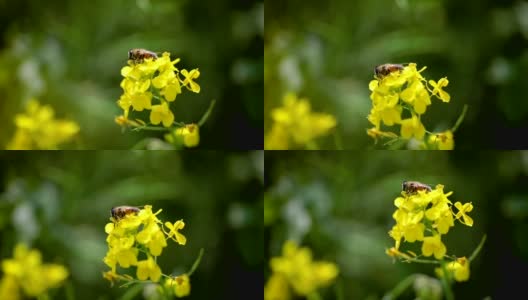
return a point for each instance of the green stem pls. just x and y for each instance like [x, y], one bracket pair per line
[339, 290]
[196, 262]
[311, 145]
[151, 128]
[69, 291]
[460, 118]
[43, 296]
[445, 283]
[338, 142]
[132, 292]
[207, 113]
[422, 261]
[390, 142]
[132, 281]
[313, 296]
[400, 287]
[477, 250]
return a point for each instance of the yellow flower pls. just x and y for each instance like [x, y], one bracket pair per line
[411, 74]
[9, 289]
[181, 285]
[443, 140]
[190, 135]
[37, 128]
[373, 85]
[276, 288]
[462, 209]
[161, 113]
[303, 274]
[375, 133]
[417, 95]
[27, 272]
[165, 64]
[414, 232]
[140, 71]
[153, 238]
[389, 115]
[459, 268]
[188, 81]
[136, 95]
[394, 252]
[121, 120]
[433, 245]
[168, 83]
[111, 276]
[438, 91]
[296, 121]
[148, 269]
[173, 231]
[385, 105]
[445, 222]
[277, 138]
[412, 127]
[147, 216]
[121, 253]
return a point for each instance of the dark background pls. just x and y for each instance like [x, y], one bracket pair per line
[347, 198]
[59, 203]
[69, 54]
[327, 51]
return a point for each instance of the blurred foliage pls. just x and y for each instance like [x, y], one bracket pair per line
[69, 54]
[59, 203]
[327, 51]
[340, 205]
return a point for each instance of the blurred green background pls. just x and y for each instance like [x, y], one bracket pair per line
[60, 203]
[69, 54]
[327, 50]
[340, 204]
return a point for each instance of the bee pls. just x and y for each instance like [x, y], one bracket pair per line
[120, 212]
[385, 69]
[412, 187]
[138, 55]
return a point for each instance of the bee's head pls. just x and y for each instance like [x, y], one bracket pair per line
[404, 184]
[130, 53]
[377, 70]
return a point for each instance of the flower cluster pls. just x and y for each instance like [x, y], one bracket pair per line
[153, 84]
[37, 129]
[295, 270]
[425, 216]
[294, 124]
[137, 240]
[402, 97]
[26, 276]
